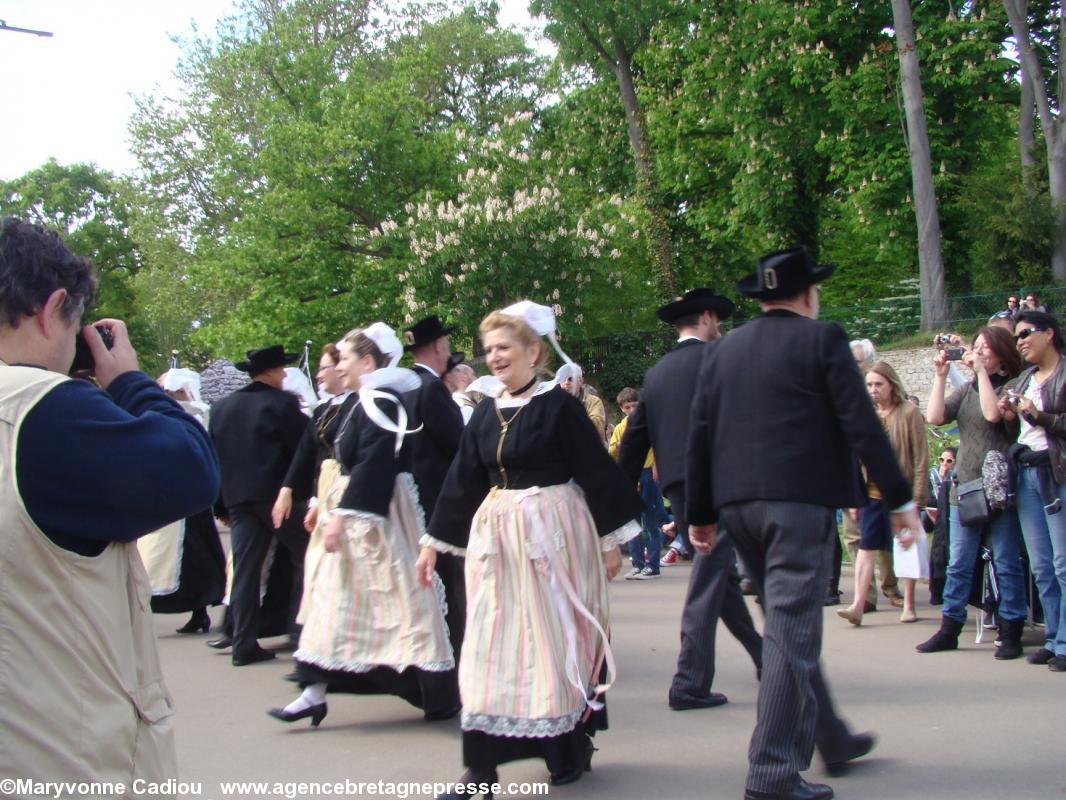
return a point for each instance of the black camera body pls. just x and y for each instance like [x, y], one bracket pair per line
[83, 356]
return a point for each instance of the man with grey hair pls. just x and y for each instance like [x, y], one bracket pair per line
[457, 377]
[88, 470]
[571, 379]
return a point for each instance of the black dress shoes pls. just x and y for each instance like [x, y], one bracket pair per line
[253, 657]
[221, 643]
[801, 791]
[684, 702]
[857, 746]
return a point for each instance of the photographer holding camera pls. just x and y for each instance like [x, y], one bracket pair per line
[87, 471]
[982, 427]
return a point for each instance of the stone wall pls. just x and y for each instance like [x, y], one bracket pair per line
[915, 369]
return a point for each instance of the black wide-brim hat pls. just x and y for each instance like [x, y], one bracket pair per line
[423, 332]
[785, 273]
[696, 301]
[264, 358]
[454, 360]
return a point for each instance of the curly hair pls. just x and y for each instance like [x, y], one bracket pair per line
[34, 263]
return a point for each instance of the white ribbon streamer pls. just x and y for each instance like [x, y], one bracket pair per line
[559, 580]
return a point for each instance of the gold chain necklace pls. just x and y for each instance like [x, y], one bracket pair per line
[505, 425]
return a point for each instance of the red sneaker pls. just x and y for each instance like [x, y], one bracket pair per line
[669, 559]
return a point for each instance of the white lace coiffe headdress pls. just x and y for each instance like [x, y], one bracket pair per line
[177, 379]
[387, 377]
[541, 319]
[386, 340]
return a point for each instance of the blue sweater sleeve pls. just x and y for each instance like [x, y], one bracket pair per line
[96, 467]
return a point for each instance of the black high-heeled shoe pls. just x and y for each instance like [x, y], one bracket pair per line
[469, 777]
[570, 776]
[317, 713]
[199, 622]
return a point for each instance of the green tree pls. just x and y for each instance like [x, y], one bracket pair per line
[90, 208]
[303, 132]
[610, 34]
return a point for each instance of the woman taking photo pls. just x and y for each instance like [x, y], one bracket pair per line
[906, 431]
[369, 627]
[975, 407]
[1039, 401]
[539, 509]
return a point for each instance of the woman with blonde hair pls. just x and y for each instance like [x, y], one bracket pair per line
[906, 431]
[539, 509]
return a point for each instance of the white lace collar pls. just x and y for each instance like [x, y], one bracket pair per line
[491, 386]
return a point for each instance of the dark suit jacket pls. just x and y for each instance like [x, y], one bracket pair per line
[662, 417]
[781, 413]
[256, 431]
[434, 447]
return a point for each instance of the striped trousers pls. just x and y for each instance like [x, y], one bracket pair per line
[786, 548]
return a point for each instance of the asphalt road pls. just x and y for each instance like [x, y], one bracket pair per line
[950, 725]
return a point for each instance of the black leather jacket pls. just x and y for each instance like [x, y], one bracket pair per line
[1053, 418]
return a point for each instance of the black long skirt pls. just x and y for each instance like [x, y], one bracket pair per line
[202, 574]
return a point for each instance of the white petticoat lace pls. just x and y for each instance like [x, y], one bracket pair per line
[517, 727]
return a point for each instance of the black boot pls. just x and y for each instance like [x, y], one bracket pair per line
[947, 638]
[1010, 639]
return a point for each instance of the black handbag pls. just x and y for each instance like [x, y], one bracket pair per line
[973, 505]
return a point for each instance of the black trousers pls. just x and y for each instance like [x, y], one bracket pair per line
[251, 532]
[713, 594]
[787, 549]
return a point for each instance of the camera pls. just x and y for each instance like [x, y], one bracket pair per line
[1013, 396]
[953, 353]
[83, 356]
[943, 338]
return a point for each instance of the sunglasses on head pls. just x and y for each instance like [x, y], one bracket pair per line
[1025, 334]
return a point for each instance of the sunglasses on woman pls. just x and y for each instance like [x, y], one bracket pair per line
[1025, 334]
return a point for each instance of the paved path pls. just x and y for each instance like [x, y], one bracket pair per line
[951, 725]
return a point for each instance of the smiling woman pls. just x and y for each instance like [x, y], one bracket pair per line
[538, 508]
[1040, 404]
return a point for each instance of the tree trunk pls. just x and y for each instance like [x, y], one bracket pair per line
[1054, 141]
[660, 240]
[930, 265]
[1026, 138]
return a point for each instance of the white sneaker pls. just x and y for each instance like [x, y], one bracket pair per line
[634, 574]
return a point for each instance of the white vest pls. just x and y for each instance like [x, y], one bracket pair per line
[81, 690]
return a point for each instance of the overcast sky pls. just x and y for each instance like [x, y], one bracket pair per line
[68, 96]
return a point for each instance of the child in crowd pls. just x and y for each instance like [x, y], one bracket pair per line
[645, 561]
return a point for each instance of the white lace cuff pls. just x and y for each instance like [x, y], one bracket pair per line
[354, 515]
[620, 536]
[441, 547]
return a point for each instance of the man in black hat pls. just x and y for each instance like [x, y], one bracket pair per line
[778, 422]
[256, 430]
[661, 422]
[435, 446]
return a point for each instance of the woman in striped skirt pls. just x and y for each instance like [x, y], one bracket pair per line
[538, 508]
[369, 627]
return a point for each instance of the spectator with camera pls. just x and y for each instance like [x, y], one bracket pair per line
[975, 407]
[88, 471]
[1038, 401]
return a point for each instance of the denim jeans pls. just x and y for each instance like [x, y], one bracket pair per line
[1004, 537]
[653, 518]
[1045, 539]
